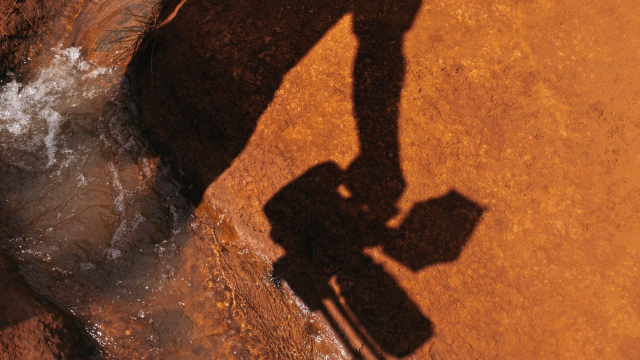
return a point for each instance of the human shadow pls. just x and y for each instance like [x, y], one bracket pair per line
[324, 232]
[203, 80]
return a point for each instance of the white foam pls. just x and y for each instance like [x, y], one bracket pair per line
[31, 113]
[82, 181]
[53, 122]
[112, 253]
[12, 116]
[125, 228]
[119, 201]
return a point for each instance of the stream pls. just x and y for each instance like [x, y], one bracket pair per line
[99, 227]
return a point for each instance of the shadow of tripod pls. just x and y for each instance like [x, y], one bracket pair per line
[324, 234]
[203, 81]
[327, 217]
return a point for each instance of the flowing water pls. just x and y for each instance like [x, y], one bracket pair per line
[100, 228]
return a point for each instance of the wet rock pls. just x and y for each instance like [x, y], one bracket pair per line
[19, 21]
[33, 328]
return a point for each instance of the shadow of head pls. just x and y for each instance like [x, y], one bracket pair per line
[324, 234]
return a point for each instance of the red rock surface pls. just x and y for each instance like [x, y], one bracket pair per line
[30, 327]
[20, 21]
[523, 112]
[528, 109]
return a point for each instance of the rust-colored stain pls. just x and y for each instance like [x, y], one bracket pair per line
[526, 112]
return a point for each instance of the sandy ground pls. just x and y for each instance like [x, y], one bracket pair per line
[528, 109]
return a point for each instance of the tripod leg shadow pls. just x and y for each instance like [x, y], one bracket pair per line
[324, 235]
